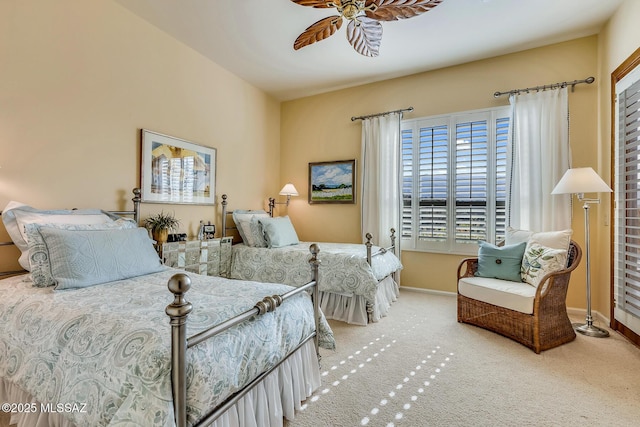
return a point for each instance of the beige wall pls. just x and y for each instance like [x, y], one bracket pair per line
[79, 79]
[618, 40]
[319, 128]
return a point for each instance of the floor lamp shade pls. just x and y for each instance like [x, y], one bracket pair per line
[579, 181]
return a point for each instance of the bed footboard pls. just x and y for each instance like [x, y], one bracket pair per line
[179, 310]
[369, 246]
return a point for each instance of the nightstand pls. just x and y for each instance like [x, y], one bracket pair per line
[211, 257]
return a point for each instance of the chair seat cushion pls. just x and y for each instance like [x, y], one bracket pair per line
[518, 296]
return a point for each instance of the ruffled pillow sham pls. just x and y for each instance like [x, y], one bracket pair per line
[16, 215]
[39, 259]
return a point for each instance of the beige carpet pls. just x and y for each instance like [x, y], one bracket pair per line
[419, 367]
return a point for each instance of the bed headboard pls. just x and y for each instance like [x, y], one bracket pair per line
[135, 214]
[229, 227]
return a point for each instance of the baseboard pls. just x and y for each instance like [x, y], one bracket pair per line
[427, 291]
[597, 316]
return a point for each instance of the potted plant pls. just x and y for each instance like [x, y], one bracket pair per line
[160, 225]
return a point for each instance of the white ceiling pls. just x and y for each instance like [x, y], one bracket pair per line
[253, 39]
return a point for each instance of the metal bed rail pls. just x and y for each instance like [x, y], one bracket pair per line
[179, 310]
[369, 245]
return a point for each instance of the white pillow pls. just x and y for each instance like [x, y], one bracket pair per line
[279, 232]
[538, 261]
[551, 239]
[16, 215]
[242, 219]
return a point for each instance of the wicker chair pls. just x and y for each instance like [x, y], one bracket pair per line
[547, 327]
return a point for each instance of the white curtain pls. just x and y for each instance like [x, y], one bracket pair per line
[380, 178]
[540, 155]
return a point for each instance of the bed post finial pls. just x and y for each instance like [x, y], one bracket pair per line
[272, 206]
[224, 215]
[393, 239]
[368, 244]
[315, 264]
[178, 311]
[136, 204]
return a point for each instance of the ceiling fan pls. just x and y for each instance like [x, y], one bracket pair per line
[364, 30]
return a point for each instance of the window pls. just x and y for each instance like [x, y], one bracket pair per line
[454, 180]
[627, 200]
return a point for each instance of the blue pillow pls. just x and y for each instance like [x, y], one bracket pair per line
[279, 232]
[39, 254]
[80, 259]
[501, 262]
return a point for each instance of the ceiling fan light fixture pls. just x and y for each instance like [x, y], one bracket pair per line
[351, 9]
[364, 31]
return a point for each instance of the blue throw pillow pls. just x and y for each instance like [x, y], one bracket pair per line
[501, 262]
[279, 232]
[86, 258]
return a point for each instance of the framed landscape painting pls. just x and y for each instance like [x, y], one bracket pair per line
[332, 182]
[177, 171]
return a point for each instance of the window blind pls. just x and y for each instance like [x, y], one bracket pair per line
[627, 256]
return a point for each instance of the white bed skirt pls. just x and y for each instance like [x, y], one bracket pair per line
[352, 309]
[277, 397]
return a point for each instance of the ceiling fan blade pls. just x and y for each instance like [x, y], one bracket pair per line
[319, 31]
[392, 10]
[365, 36]
[315, 3]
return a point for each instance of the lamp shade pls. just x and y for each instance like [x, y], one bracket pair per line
[289, 190]
[579, 181]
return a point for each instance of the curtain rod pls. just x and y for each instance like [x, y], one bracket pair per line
[381, 114]
[588, 80]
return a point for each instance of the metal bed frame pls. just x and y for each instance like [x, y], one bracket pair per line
[368, 236]
[368, 244]
[179, 310]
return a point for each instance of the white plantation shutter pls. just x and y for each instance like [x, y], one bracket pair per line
[406, 136]
[432, 186]
[502, 140]
[471, 181]
[627, 203]
[454, 174]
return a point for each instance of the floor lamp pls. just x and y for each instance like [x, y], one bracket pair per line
[579, 181]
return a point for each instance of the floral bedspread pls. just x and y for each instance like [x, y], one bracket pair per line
[343, 269]
[107, 347]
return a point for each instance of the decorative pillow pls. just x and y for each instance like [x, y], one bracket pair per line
[39, 264]
[242, 219]
[90, 257]
[257, 233]
[16, 215]
[279, 232]
[500, 262]
[538, 261]
[550, 239]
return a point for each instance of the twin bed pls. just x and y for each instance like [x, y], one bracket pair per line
[357, 281]
[84, 338]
